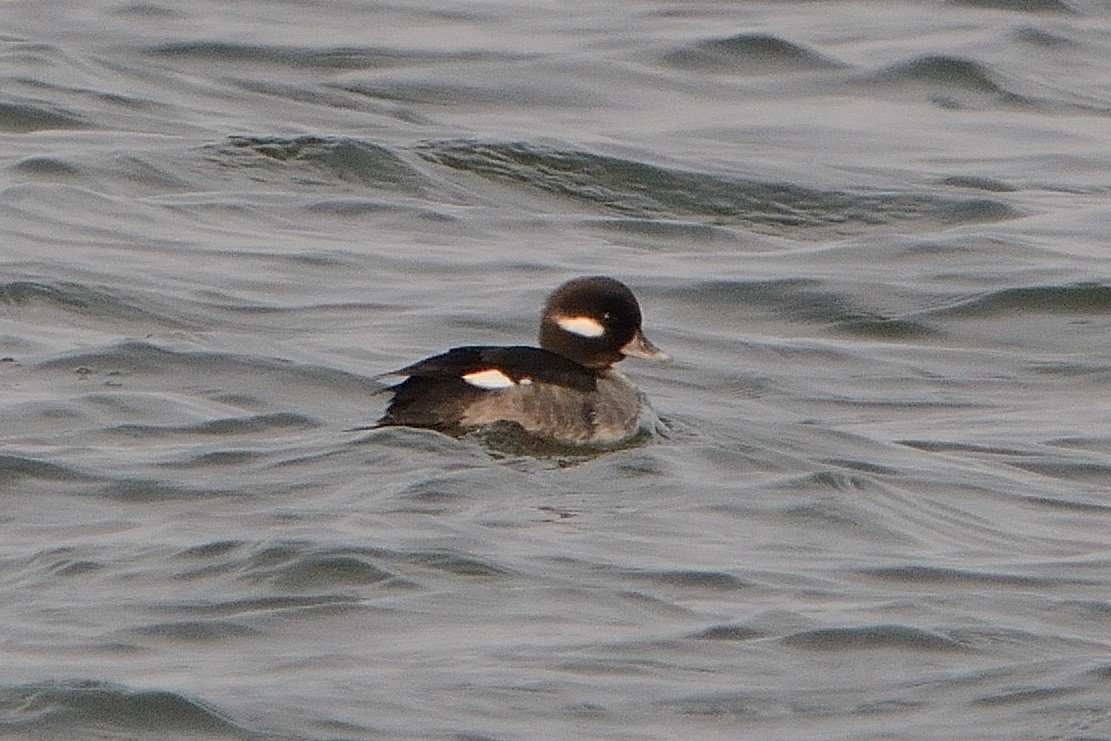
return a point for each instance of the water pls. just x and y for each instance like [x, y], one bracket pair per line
[874, 236]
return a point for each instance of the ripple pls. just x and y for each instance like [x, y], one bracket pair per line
[280, 421]
[1087, 472]
[710, 580]
[47, 167]
[349, 160]
[23, 118]
[949, 73]
[872, 637]
[490, 90]
[1022, 696]
[748, 53]
[914, 574]
[978, 183]
[881, 328]
[728, 632]
[196, 631]
[946, 446]
[1041, 38]
[1023, 6]
[144, 10]
[643, 190]
[1070, 505]
[964, 84]
[215, 549]
[271, 604]
[804, 301]
[459, 564]
[1083, 299]
[949, 82]
[329, 570]
[147, 491]
[341, 58]
[215, 458]
[14, 467]
[135, 357]
[87, 301]
[70, 708]
[794, 299]
[296, 567]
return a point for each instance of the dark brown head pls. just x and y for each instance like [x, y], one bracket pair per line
[595, 322]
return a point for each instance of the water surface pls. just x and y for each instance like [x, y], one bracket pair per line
[874, 237]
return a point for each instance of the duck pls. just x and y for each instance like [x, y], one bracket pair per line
[566, 390]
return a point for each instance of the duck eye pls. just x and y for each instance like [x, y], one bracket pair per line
[607, 316]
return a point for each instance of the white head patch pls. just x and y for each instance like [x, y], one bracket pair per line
[491, 379]
[583, 326]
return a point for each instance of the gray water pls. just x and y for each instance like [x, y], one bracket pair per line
[874, 235]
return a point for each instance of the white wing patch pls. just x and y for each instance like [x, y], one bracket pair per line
[491, 379]
[583, 326]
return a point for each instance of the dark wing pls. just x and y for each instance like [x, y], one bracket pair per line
[517, 362]
[435, 393]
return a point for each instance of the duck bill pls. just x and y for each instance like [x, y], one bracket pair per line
[640, 347]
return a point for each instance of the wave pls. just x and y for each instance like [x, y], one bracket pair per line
[809, 301]
[944, 576]
[978, 183]
[43, 166]
[14, 467]
[1084, 299]
[344, 58]
[748, 53]
[350, 160]
[78, 300]
[1023, 6]
[252, 424]
[303, 568]
[964, 84]
[140, 357]
[893, 329]
[950, 82]
[728, 632]
[69, 708]
[872, 637]
[25, 117]
[644, 190]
